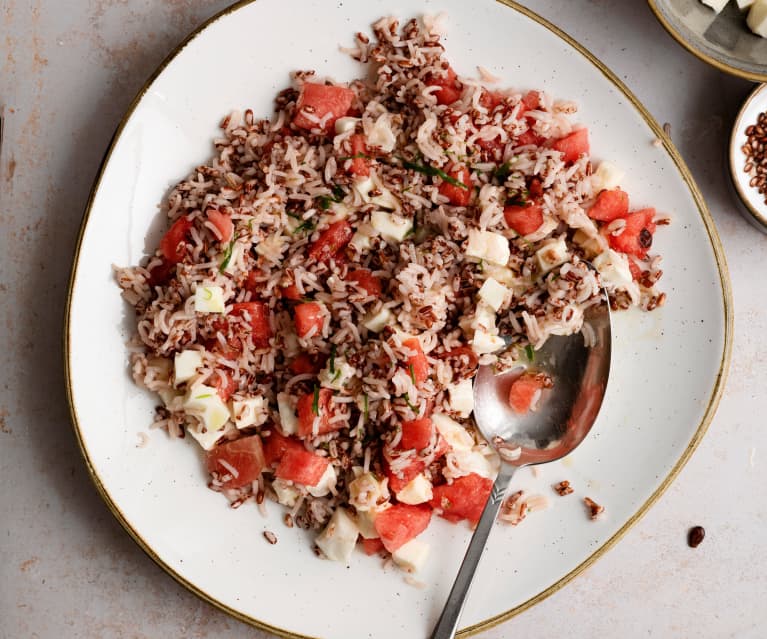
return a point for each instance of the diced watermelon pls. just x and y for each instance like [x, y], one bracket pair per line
[275, 445]
[224, 384]
[306, 413]
[490, 99]
[458, 195]
[321, 100]
[416, 433]
[610, 205]
[304, 364]
[524, 219]
[531, 100]
[331, 241]
[529, 137]
[308, 316]
[523, 391]
[245, 455]
[360, 165]
[252, 283]
[417, 364]
[636, 237]
[368, 282]
[222, 222]
[409, 473]
[301, 466]
[573, 146]
[400, 523]
[172, 243]
[450, 89]
[260, 328]
[372, 546]
[465, 498]
[291, 293]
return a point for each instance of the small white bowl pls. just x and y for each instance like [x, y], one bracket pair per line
[754, 207]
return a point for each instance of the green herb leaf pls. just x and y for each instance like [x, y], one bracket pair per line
[205, 396]
[412, 373]
[406, 397]
[227, 256]
[356, 156]
[500, 173]
[316, 401]
[333, 359]
[519, 198]
[530, 352]
[338, 193]
[306, 225]
[365, 407]
[336, 376]
[325, 201]
[207, 293]
[432, 171]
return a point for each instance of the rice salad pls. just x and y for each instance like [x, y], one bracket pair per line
[329, 283]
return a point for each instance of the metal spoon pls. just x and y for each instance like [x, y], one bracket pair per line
[567, 412]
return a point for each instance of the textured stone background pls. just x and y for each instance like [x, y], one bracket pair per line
[68, 71]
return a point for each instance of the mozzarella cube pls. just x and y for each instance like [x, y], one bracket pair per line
[338, 539]
[484, 319]
[387, 200]
[607, 176]
[416, 491]
[552, 255]
[716, 5]
[366, 523]
[489, 246]
[205, 403]
[288, 419]
[380, 133]
[757, 18]
[361, 241]
[209, 299]
[324, 485]
[461, 397]
[493, 293]
[363, 187]
[484, 343]
[287, 494]
[473, 461]
[376, 322]
[365, 492]
[392, 227]
[339, 212]
[615, 273]
[337, 373]
[346, 124]
[252, 411]
[501, 274]
[455, 435]
[207, 439]
[745, 4]
[411, 556]
[185, 365]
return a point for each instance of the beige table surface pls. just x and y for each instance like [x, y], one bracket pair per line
[68, 70]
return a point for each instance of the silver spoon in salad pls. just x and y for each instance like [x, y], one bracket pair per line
[567, 379]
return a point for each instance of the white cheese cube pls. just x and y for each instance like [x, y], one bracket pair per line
[484, 319]
[380, 133]
[412, 555]
[337, 373]
[392, 227]
[743, 5]
[473, 461]
[552, 255]
[205, 403]
[489, 246]
[346, 124]
[501, 274]
[338, 539]
[325, 483]
[716, 5]
[365, 492]
[185, 365]
[363, 187]
[757, 18]
[416, 491]
[361, 241]
[287, 494]
[287, 411]
[366, 523]
[209, 299]
[461, 397]
[376, 322]
[455, 435]
[207, 439]
[170, 398]
[339, 212]
[252, 411]
[607, 176]
[484, 343]
[615, 273]
[493, 293]
[386, 200]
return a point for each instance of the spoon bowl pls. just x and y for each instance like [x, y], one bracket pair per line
[578, 366]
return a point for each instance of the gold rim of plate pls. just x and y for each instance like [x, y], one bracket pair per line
[758, 217]
[718, 64]
[712, 404]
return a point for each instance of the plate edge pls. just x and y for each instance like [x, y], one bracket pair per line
[692, 445]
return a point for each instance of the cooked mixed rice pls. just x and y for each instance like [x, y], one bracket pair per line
[334, 276]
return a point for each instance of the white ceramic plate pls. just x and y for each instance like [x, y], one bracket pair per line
[668, 366]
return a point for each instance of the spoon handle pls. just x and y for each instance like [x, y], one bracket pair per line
[447, 625]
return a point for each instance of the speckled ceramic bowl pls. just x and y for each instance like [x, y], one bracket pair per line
[723, 40]
[754, 205]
